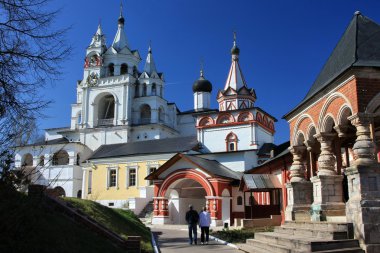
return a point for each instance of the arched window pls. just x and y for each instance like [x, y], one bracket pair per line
[239, 201]
[59, 191]
[79, 194]
[145, 114]
[144, 90]
[135, 72]
[161, 115]
[78, 159]
[27, 160]
[111, 69]
[231, 142]
[61, 158]
[106, 111]
[154, 90]
[137, 90]
[123, 69]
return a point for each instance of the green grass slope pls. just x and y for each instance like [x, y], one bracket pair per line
[123, 222]
[30, 225]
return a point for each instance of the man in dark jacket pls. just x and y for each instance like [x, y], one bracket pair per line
[192, 218]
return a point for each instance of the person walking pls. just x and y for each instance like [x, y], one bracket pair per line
[204, 224]
[192, 218]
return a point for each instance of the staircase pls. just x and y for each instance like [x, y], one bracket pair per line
[146, 214]
[305, 236]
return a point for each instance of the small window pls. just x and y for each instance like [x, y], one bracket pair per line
[239, 201]
[111, 69]
[154, 91]
[111, 204]
[144, 90]
[132, 177]
[112, 177]
[123, 69]
[136, 90]
[231, 142]
[232, 147]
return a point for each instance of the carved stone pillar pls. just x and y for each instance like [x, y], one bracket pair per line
[327, 186]
[363, 206]
[297, 170]
[299, 191]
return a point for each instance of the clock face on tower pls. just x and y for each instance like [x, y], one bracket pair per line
[92, 79]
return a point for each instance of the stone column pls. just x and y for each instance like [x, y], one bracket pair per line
[299, 191]
[363, 206]
[327, 185]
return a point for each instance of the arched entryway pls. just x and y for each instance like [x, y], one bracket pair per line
[180, 195]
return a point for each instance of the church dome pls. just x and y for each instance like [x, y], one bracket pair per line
[235, 50]
[202, 85]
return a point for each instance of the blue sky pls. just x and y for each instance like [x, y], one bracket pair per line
[283, 45]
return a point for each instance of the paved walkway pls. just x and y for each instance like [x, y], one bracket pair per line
[175, 239]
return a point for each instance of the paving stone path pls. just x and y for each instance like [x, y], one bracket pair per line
[175, 240]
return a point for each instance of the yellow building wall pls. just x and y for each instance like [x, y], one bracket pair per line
[99, 189]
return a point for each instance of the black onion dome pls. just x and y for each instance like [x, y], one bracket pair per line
[202, 85]
[235, 50]
[120, 20]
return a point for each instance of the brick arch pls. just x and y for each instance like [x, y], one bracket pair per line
[327, 123]
[331, 106]
[344, 112]
[301, 125]
[299, 138]
[186, 174]
[309, 132]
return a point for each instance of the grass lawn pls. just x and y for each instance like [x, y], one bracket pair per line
[120, 221]
[239, 235]
[30, 225]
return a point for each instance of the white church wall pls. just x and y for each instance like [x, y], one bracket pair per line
[237, 161]
[186, 125]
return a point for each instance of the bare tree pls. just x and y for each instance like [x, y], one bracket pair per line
[31, 51]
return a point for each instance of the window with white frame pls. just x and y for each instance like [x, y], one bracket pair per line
[112, 177]
[132, 177]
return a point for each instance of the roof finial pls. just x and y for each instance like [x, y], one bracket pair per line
[202, 65]
[234, 38]
[121, 8]
[150, 47]
[121, 18]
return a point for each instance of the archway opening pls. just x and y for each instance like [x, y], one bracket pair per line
[106, 111]
[181, 194]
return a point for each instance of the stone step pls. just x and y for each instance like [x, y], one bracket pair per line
[320, 225]
[346, 250]
[255, 245]
[325, 234]
[250, 249]
[304, 243]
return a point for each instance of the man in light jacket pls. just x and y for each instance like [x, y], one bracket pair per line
[204, 224]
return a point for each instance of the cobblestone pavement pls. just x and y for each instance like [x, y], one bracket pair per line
[174, 239]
